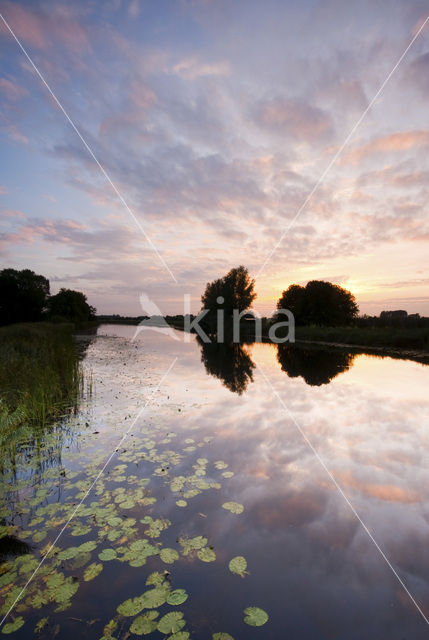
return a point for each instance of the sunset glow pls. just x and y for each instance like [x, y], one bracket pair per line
[215, 120]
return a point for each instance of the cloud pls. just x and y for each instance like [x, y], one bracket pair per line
[417, 74]
[11, 89]
[295, 118]
[392, 143]
[192, 68]
[43, 28]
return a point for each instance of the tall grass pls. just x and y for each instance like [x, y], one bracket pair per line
[40, 375]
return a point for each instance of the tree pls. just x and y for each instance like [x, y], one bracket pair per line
[293, 299]
[316, 366]
[71, 305]
[23, 296]
[236, 289]
[231, 363]
[320, 303]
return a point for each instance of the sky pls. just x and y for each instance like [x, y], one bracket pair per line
[214, 120]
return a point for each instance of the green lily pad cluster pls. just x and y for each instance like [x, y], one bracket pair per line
[117, 522]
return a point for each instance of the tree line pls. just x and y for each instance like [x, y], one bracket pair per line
[25, 297]
[318, 303]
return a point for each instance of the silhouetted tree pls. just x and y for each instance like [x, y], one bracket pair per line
[23, 296]
[293, 299]
[320, 303]
[236, 288]
[71, 305]
[316, 366]
[230, 363]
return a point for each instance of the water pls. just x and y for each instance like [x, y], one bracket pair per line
[279, 426]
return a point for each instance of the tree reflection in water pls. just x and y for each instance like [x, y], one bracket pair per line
[231, 363]
[316, 366]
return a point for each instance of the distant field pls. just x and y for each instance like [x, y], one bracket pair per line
[397, 338]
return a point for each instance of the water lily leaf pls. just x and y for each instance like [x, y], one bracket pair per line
[109, 630]
[181, 503]
[39, 536]
[64, 592]
[87, 546]
[176, 597]
[169, 555]
[156, 579]
[81, 560]
[68, 554]
[107, 554]
[220, 464]
[81, 529]
[145, 623]
[255, 617]
[131, 607]
[10, 627]
[177, 483]
[228, 474]
[234, 507]
[238, 565]
[180, 635]
[206, 555]
[154, 598]
[192, 544]
[92, 571]
[41, 625]
[171, 622]
[222, 636]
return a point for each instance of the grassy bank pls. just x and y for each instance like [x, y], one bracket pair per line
[385, 337]
[39, 373]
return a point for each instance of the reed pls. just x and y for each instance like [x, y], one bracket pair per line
[40, 373]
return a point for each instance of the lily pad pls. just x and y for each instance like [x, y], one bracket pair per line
[255, 617]
[10, 627]
[145, 623]
[107, 554]
[171, 622]
[180, 635]
[154, 597]
[206, 555]
[238, 565]
[181, 503]
[131, 607]
[176, 597]
[234, 507]
[92, 571]
[222, 636]
[169, 555]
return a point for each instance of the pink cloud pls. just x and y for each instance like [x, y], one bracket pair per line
[11, 90]
[3, 190]
[294, 117]
[35, 27]
[401, 141]
[11, 213]
[385, 492]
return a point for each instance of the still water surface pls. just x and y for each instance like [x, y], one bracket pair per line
[226, 426]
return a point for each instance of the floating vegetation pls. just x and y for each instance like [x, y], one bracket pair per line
[238, 565]
[234, 507]
[255, 617]
[121, 522]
